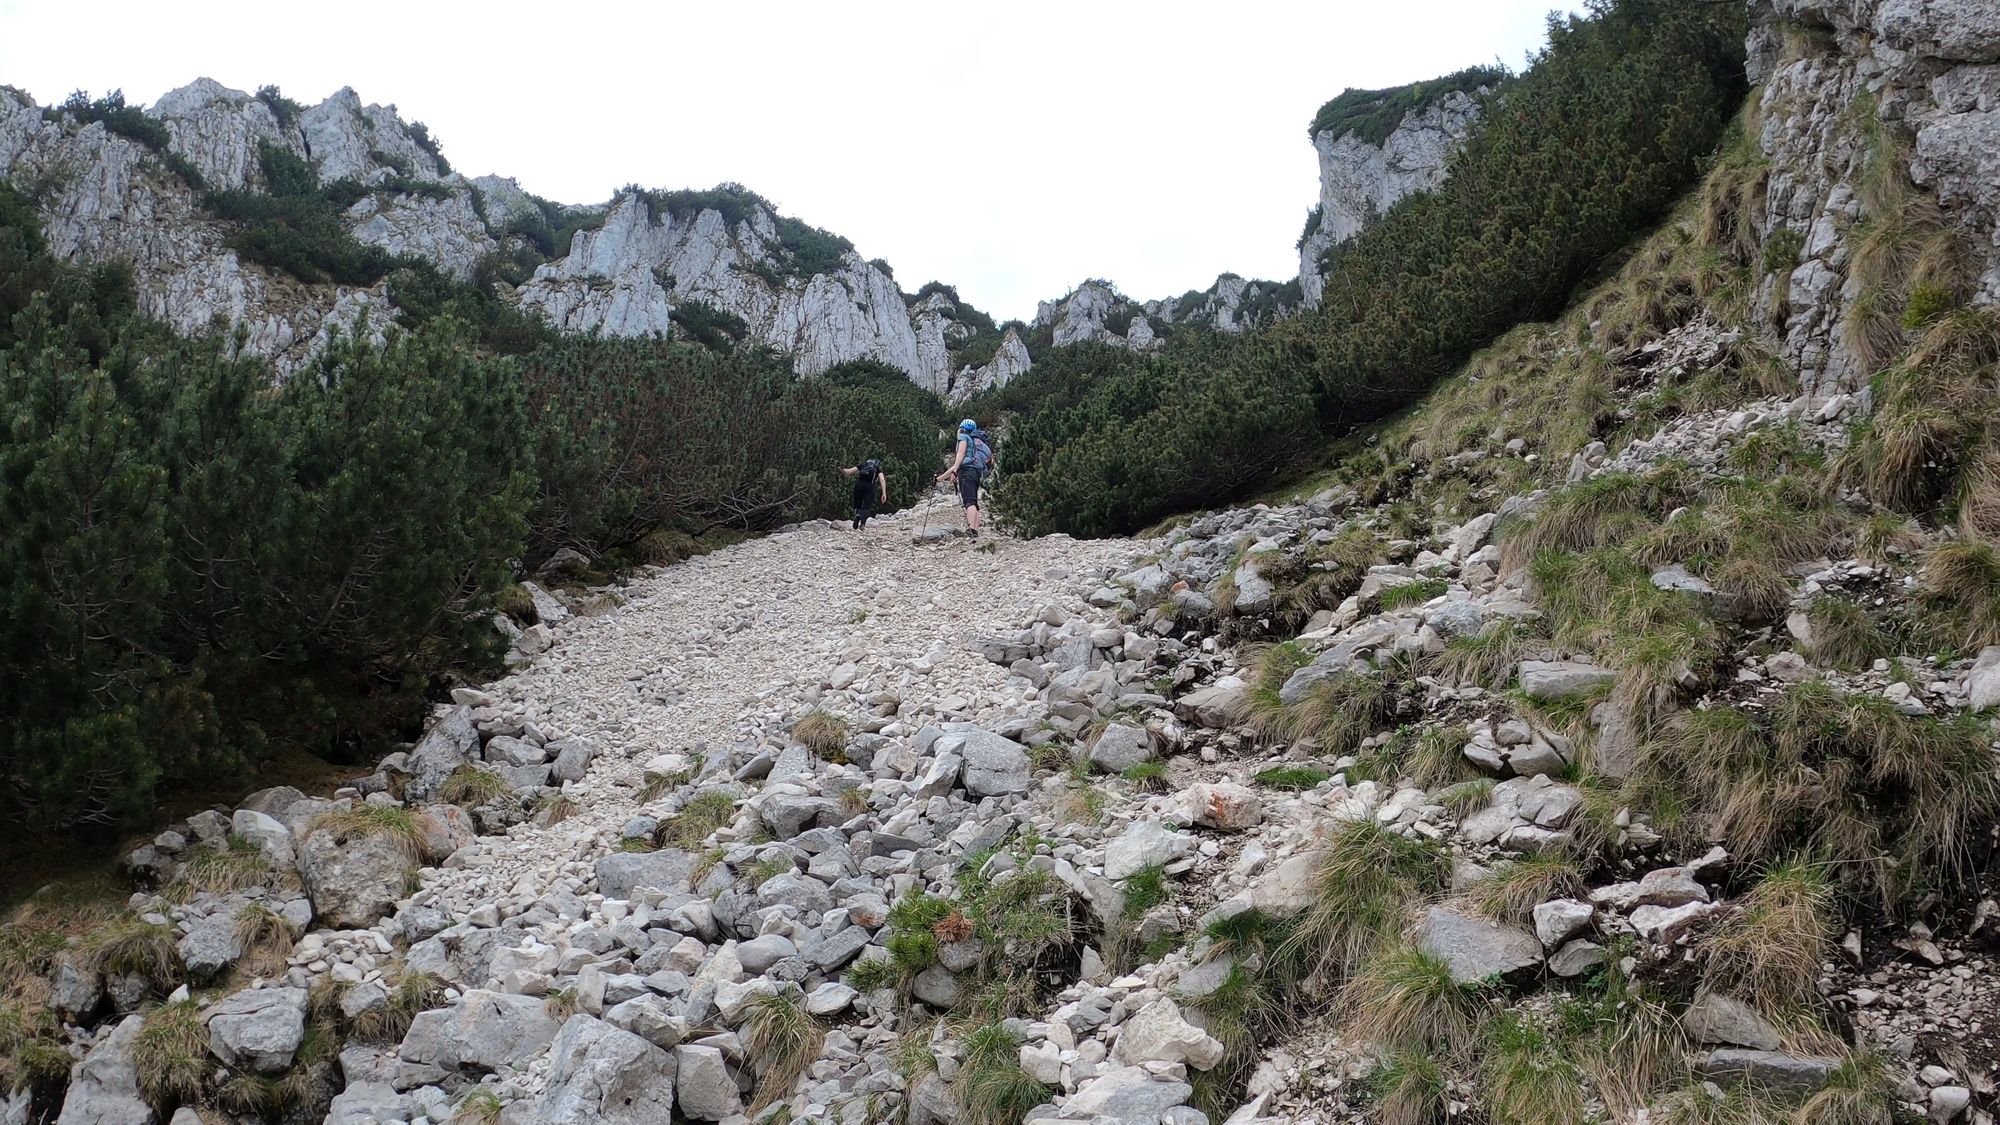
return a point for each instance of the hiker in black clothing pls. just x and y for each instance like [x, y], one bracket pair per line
[871, 486]
[971, 461]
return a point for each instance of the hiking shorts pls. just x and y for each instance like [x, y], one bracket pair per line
[968, 485]
[864, 501]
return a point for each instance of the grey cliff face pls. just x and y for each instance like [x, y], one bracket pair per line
[1359, 181]
[1929, 69]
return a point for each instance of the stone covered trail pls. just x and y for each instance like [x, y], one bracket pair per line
[696, 679]
[729, 649]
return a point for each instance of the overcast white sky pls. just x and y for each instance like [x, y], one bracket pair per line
[1011, 149]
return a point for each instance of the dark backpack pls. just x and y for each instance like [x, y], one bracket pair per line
[979, 455]
[870, 469]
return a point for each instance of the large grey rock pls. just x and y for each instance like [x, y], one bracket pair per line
[650, 1018]
[1475, 949]
[1159, 1034]
[259, 1029]
[994, 765]
[1253, 590]
[1558, 920]
[937, 986]
[1717, 1018]
[1126, 1093]
[621, 873]
[211, 944]
[705, 1088]
[1226, 806]
[1771, 1070]
[1120, 747]
[104, 1087]
[1147, 843]
[75, 991]
[598, 1073]
[449, 744]
[268, 834]
[572, 759]
[1216, 706]
[353, 877]
[1557, 679]
[483, 1031]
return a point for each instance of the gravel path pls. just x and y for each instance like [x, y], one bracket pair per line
[732, 647]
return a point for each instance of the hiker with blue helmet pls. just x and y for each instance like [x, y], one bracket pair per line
[971, 462]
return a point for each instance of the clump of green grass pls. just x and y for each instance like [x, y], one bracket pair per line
[1527, 1074]
[1487, 658]
[1846, 634]
[171, 1054]
[1412, 593]
[770, 867]
[556, 809]
[823, 733]
[991, 1088]
[1405, 999]
[398, 825]
[1513, 891]
[657, 784]
[1860, 1091]
[1410, 1088]
[1273, 664]
[239, 864]
[1468, 797]
[697, 820]
[1768, 950]
[1340, 711]
[470, 786]
[478, 1106]
[1959, 586]
[413, 992]
[1150, 777]
[1437, 756]
[1293, 777]
[784, 1039]
[1367, 877]
[132, 945]
[561, 1004]
[266, 937]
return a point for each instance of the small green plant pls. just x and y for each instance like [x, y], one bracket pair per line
[398, 825]
[1367, 876]
[132, 945]
[1928, 302]
[470, 786]
[478, 1106]
[697, 820]
[1768, 950]
[1150, 777]
[1468, 797]
[241, 863]
[1781, 250]
[171, 1054]
[413, 992]
[784, 1039]
[873, 973]
[1293, 777]
[823, 733]
[770, 867]
[1403, 999]
[562, 1003]
[991, 1087]
[1516, 888]
[1412, 593]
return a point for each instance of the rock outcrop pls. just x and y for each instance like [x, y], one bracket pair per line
[1360, 179]
[1830, 70]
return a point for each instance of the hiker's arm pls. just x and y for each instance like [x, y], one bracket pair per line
[958, 456]
[849, 472]
[883, 482]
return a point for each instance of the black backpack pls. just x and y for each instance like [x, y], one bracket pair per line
[870, 469]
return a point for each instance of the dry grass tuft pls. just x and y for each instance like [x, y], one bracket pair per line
[130, 945]
[697, 820]
[1768, 951]
[171, 1054]
[823, 733]
[784, 1039]
[1513, 891]
[398, 825]
[1405, 1000]
[1368, 877]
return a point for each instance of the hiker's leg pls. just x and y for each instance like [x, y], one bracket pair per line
[972, 518]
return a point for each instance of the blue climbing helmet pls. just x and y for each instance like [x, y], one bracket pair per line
[967, 426]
